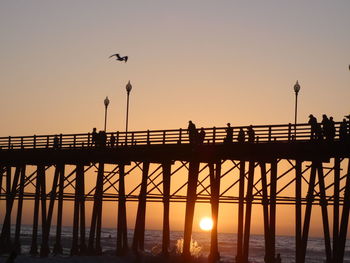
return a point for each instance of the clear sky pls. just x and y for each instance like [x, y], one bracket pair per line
[211, 62]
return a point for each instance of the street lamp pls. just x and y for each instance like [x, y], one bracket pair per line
[296, 90]
[128, 89]
[106, 102]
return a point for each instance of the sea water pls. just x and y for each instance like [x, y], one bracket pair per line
[285, 245]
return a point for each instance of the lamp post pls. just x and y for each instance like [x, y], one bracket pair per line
[128, 89]
[106, 102]
[296, 90]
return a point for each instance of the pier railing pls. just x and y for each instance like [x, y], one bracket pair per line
[215, 135]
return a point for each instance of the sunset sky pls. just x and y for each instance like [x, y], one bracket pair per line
[211, 62]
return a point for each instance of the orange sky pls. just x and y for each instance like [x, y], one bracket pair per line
[210, 62]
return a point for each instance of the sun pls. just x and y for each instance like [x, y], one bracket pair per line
[206, 223]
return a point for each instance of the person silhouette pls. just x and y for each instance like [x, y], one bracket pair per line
[313, 124]
[229, 133]
[201, 136]
[251, 134]
[241, 136]
[343, 130]
[332, 130]
[56, 142]
[192, 131]
[326, 127]
[94, 137]
[112, 140]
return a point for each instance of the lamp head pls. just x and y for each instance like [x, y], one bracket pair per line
[296, 87]
[106, 101]
[128, 87]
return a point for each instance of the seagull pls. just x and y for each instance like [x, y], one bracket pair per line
[118, 57]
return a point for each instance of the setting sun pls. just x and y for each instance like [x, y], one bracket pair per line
[206, 223]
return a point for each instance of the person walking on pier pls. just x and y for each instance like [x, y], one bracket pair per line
[229, 134]
[112, 140]
[343, 130]
[241, 136]
[56, 142]
[331, 128]
[201, 136]
[251, 134]
[313, 123]
[192, 131]
[94, 137]
[326, 127]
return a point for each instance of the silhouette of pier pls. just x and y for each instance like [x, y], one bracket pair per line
[313, 174]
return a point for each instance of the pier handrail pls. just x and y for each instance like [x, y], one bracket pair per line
[215, 135]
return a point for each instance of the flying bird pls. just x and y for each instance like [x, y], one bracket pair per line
[118, 57]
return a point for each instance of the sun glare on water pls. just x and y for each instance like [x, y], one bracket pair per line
[206, 223]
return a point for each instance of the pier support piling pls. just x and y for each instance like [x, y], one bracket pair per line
[215, 175]
[190, 205]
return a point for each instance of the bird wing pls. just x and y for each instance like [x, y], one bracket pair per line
[114, 55]
[118, 56]
[126, 58]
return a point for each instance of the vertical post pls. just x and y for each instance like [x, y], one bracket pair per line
[44, 249]
[298, 220]
[190, 205]
[336, 204]
[265, 203]
[139, 231]
[340, 249]
[95, 228]
[74, 250]
[309, 201]
[240, 212]
[58, 247]
[34, 245]
[6, 228]
[215, 174]
[44, 252]
[122, 234]
[10, 197]
[273, 187]
[19, 210]
[249, 200]
[323, 203]
[82, 246]
[166, 204]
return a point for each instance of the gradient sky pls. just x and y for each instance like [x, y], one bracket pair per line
[211, 62]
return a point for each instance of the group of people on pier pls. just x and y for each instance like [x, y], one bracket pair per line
[326, 128]
[198, 137]
[100, 139]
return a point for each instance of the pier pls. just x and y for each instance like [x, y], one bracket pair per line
[253, 169]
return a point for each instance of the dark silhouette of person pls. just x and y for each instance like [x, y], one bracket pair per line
[326, 127]
[332, 130]
[94, 137]
[192, 131]
[241, 136]
[201, 136]
[313, 124]
[343, 130]
[56, 142]
[112, 140]
[101, 139]
[229, 133]
[251, 134]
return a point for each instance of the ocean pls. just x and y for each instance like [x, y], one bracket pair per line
[285, 245]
